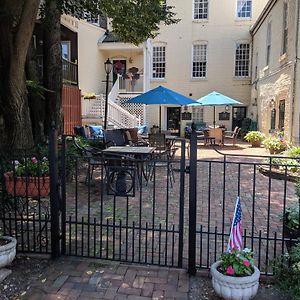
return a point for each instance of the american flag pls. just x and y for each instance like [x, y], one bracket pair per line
[235, 238]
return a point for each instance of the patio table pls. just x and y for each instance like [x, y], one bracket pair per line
[138, 152]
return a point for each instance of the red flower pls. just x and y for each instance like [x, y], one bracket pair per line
[230, 270]
[34, 160]
[246, 263]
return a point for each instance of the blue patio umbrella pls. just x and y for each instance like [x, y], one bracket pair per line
[161, 95]
[215, 99]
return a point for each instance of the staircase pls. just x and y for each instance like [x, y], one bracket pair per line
[118, 117]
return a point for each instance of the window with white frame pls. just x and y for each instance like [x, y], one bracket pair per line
[244, 8]
[159, 62]
[200, 9]
[285, 28]
[269, 36]
[199, 60]
[242, 55]
[197, 114]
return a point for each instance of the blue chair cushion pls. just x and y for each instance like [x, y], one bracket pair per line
[142, 129]
[96, 131]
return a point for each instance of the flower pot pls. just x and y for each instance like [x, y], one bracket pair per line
[7, 251]
[255, 144]
[234, 288]
[27, 186]
[275, 151]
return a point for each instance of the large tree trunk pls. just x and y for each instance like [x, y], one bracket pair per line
[16, 27]
[53, 66]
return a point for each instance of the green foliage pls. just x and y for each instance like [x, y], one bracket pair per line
[275, 144]
[293, 152]
[142, 18]
[237, 263]
[287, 272]
[31, 167]
[133, 21]
[89, 96]
[292, 216]
[253, 136]
[36, 89]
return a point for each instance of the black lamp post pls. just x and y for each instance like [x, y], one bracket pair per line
[108, 67]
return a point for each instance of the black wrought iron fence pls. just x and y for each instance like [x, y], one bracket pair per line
[266, 188]
[146, 209]
[24, 201]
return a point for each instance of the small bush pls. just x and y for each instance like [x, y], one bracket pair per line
[253, 136]
[275, 144]
[287, 272]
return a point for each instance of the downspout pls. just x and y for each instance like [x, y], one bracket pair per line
[295, 76]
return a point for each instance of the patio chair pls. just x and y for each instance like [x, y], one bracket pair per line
[133, 138]
[232, 135]
[114, 137]
[80, 131]
[96, 131]
[93, 157]
[163, 155]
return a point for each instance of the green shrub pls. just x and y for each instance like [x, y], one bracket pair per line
[275, 144]
[253, 136]
[287, 272]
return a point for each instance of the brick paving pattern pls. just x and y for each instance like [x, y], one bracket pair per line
[74, 278]
[157, 206]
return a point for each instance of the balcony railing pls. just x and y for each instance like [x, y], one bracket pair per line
[69, 72]
[131, 85]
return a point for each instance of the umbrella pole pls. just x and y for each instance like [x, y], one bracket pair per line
[214, 116]
[159, 118]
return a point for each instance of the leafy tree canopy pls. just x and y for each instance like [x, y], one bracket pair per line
[133, 21]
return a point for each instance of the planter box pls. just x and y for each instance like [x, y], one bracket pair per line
[234, 288]
[27, 186]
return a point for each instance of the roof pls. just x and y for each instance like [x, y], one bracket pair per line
[110, 38]
[263, 15]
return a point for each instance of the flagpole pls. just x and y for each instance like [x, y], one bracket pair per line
[237, 199]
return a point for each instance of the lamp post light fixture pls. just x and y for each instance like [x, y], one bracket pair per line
[108, 67]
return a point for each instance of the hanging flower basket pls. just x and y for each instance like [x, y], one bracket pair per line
[27, 186]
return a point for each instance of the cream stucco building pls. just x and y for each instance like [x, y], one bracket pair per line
[209, 49]
[275, 78]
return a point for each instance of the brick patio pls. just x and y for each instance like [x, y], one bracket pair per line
[75, 278]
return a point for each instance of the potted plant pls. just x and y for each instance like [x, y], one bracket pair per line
[235, 277]
[275, 145]
[7, 250]
[255, 138]
[89, 96]
[29, 177]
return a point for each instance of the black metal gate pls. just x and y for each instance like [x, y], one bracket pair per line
[124, 208]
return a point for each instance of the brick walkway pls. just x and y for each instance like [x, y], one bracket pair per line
[73, 278]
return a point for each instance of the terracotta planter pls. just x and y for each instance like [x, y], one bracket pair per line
[255, 144]
[275, 151]
[27, 186]
[8, 251]
[234, 288]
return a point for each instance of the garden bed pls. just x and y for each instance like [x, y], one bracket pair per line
[276, 173]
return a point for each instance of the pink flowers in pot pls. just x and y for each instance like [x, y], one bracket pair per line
[31, 167]
[237, 263]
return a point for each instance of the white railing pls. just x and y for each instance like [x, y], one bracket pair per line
[113, 95]
[117, 115]
[121, 117]
[86, 106]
